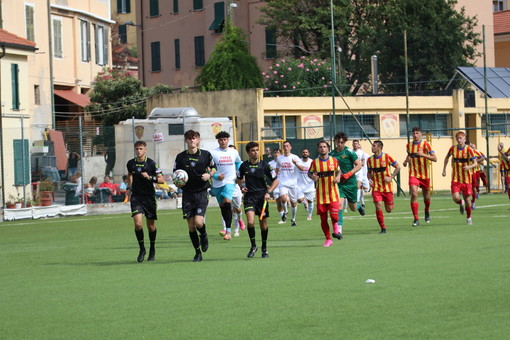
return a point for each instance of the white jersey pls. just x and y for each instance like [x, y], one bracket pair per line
[305, 183]
[273, 165]
[225, 160]
[288, 171]
[362, 156]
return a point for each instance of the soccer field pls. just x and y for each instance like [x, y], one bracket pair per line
[77, 278]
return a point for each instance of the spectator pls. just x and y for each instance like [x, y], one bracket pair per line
[109, 184]
[162, 191]
[72, 164]
[109, 157]
[124, 185]
[90, 188]
[77, 179]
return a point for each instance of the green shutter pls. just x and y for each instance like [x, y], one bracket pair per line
[128, 6]
[199, 51]
[29, 14]
[123, 34]
[119, 6]
[155, 57]
[219, 17]
[176, 6]
[21, 164]
[154, 8]
[57, 38]
[270, 43]
[15, 86]
[177, 45]
[105, 46]
[198, 5]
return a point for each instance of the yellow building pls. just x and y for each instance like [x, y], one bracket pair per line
[15, 52]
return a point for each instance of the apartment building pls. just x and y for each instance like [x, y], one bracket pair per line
[124, 36]
[73, 45]
[176, 38]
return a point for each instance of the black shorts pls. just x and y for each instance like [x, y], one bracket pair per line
[255, 202]
[194, 204]
[144, 205]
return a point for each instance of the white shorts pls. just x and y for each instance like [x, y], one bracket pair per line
[291, 191]
[309, 195]
[237, 201]
[365, 184]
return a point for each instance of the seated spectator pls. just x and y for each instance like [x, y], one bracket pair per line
[90, 189]
[109, 184]
[162, 191]
[123, 186]
[76, 178]
[173, 192]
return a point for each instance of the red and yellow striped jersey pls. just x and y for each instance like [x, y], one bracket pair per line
[379, 168]
[504, 162]
[419, 166]
[327, 190]
[461, 158]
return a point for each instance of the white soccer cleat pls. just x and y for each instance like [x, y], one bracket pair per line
[469, 221]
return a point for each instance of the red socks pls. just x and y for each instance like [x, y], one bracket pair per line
[427, 206]
[380, 218]
[325, 226]
[468, 212]
[414, 209]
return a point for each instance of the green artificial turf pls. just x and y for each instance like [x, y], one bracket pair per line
[77, 278]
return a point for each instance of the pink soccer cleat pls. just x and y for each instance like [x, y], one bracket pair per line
[223, 232]
[328, 243]
[241, 225]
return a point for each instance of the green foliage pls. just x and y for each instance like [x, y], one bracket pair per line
[439, 37]
[230, 65]
[298, 77]
[118, 96]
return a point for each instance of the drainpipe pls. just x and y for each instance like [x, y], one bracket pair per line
[2, 54]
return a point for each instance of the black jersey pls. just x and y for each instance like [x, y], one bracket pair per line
[195, 165]
[255, 176]
[142, 186]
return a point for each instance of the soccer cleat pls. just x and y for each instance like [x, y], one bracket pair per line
[284, 217]
[204, 242]
[461, 208]
[416, 223]
[427, 217]
[242, 225]
[265, 255]
[236, 234]
[469, 221]
[227, 237]
[141, 255]
[473, 206]
[252, 252]
[328, 243]
[223, 232]
[477, 195]
[282, 221]
[152, 255]
[383, 231]
[309, 218]
[338, 235]
[361, 211]
[198, 257]
[293, 224]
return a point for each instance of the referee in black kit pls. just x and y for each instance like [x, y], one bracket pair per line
[199, 165]
[256, 194]
[143, 172]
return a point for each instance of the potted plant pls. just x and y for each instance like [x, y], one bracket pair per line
[10, 203]
[46, 188]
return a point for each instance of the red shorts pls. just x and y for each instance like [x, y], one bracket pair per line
[387, 197]
[465, 189]
[333, 208]
[475, 179]
[419, 182]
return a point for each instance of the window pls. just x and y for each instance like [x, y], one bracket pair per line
[15, 86]
[29, 21]
[37, 95]
[155, 57]
[219, 17]
[123, 34]
[273, 128]
[176, 7]
[123, 6]
[199, 51]
[175, 129]
[436, 124]
[154, 8]
[498, 5]
[101, 44]
[21, 162]
[57, 38]
[177, 46]
[348, 124]
[198, 5]
[498, 122]
[270, 43]
[291, 127]
[85, 40]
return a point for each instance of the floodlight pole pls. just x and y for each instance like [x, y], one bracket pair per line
[333, 71]
[487, 116]
[407, 85]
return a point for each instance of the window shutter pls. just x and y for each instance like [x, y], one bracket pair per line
[21, 164]
[15, 86]
[29, 13]
[105, 45]
[57, 38]
[123, 34]
[177, 45]
[155, 56]
[96, 43]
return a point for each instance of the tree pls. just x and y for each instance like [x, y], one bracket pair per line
[439, 37]
[230, 65]
[118, 96]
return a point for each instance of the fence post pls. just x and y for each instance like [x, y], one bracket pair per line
[23, 162]
[81, 160]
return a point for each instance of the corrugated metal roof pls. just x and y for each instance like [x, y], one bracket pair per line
[498, 80]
